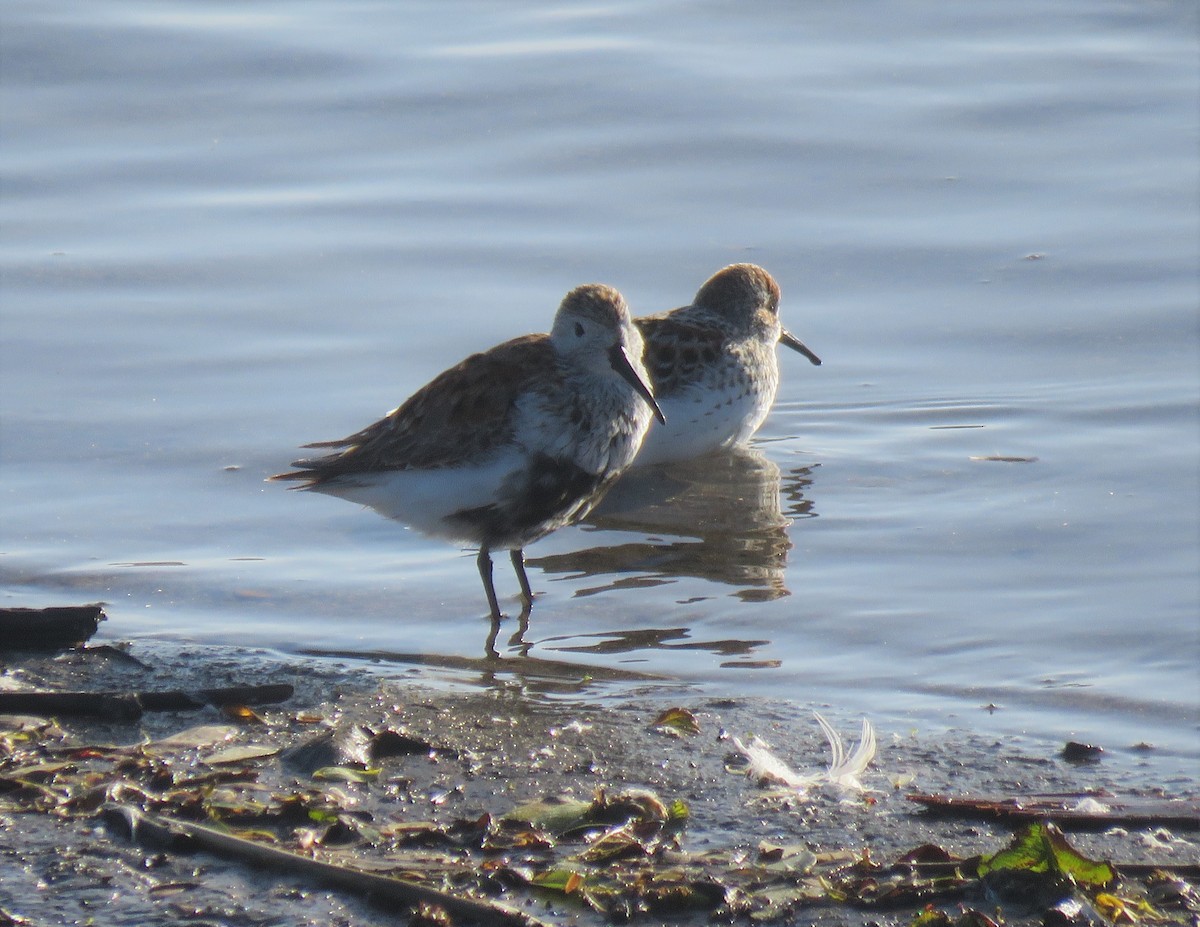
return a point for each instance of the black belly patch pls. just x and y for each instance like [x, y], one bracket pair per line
[549, 490]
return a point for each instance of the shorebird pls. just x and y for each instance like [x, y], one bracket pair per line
[713, 364]
[508, 445]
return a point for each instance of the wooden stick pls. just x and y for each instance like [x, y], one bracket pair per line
[142, 825]
[48, 628]
[1063, 810]
[130, 705]
[177, 700]
[114, 706]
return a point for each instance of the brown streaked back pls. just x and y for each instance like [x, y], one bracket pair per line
[676, 350]
[457, 418]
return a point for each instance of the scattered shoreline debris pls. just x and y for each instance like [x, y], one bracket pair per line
[144, 827]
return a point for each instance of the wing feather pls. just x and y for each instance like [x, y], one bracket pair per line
[459, 417]
[676, 349]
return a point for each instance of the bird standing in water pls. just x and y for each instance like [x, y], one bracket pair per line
[713, 366]
[508, 445]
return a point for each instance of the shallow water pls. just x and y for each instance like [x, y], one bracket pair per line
[229, 229]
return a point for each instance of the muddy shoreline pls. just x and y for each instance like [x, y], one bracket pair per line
[474, 754]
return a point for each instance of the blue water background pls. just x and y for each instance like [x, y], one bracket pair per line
[230, 228]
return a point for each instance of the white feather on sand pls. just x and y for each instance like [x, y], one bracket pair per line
[841, 776]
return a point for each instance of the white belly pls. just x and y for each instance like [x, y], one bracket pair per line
[425, 499]
[700, 421]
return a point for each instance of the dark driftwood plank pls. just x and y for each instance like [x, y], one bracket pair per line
[48, 628]
[141, 825]
[130, 705]
[111, 705]
[179, 700]
[1063, 810]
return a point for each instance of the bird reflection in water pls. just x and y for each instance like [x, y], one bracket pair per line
[716, 518]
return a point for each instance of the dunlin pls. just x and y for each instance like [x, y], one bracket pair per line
[713, 364]
[508, 445]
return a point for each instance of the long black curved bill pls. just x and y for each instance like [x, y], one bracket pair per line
[620, 363]
[797, 345]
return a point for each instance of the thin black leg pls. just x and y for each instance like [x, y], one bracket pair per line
[484, 562]
[518, 561]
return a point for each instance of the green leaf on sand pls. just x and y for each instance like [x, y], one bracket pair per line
[678, 722]
[1042, 848]
[555, 814]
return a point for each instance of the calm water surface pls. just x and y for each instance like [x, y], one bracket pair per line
[230, 228]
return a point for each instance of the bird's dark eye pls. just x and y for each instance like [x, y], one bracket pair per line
[578, 330]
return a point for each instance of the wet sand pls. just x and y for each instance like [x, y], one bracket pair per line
[474, 752]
